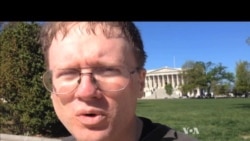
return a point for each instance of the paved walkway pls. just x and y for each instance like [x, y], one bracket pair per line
[8, 137]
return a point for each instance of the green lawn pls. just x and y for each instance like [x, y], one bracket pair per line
[210, 119]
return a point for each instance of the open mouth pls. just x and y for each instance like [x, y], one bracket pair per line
[91, 115]
[91, 118]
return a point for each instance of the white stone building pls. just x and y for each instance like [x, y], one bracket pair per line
[155, 83]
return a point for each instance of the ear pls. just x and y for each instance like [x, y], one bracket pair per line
[142, 75]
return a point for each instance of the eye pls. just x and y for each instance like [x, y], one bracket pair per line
[66, 74]
[108, 71]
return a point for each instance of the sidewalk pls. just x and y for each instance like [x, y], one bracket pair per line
[8, 137]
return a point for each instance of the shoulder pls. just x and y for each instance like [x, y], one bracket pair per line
[173, 135]
[159, 132]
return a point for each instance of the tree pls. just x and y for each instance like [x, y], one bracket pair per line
[194, 75]
[27, 107]
[168, 88]
[204, 76]
[248, 40]
[224, 88]
[242, 84]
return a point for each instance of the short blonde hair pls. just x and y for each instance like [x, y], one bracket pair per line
[128, 30]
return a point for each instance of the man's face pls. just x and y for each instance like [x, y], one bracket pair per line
[88, 113]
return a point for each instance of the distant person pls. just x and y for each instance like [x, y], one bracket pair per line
[95, 73]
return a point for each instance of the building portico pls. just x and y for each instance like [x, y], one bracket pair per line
[156, 80]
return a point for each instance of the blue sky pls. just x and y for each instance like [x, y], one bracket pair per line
[173, 43]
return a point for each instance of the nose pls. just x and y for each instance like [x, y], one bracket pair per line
[87, 87]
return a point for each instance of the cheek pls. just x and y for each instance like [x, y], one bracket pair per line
[62, 99]
[56, 104]
[62, 108]
[136, 88]
[124, 107]
[129, 97]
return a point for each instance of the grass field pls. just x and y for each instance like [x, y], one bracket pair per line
[205, 119]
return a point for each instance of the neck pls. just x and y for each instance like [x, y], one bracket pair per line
[139, 126]
[133, 133]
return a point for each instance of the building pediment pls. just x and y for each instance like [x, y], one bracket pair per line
[164, 70]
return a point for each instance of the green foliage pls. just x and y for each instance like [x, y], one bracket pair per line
[28, 108]
[168, 89]
[204, 76]
[242, 84]
[222, 88]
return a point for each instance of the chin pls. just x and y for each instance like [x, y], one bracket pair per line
[90, 134]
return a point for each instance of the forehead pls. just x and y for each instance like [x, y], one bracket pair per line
[92, 46]
[109, 30]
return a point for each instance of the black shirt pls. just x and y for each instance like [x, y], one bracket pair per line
[159, 132]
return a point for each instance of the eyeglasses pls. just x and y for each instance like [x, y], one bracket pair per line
[107, 79]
